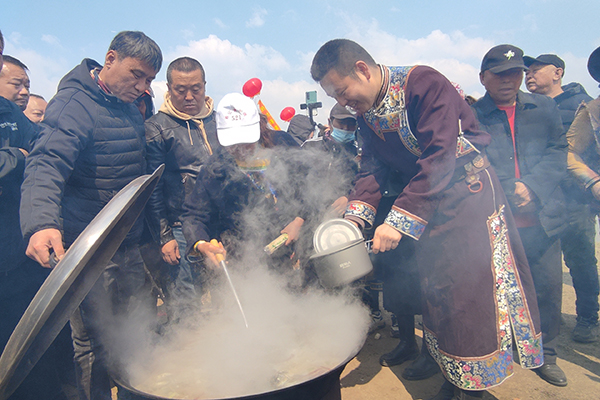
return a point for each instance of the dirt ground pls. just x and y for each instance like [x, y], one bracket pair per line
[365, 379]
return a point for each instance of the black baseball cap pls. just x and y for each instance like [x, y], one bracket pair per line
[502, 58]
[594, 64]
[548, 59]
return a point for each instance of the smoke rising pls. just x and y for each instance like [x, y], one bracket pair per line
[296, 332]
[292, 337]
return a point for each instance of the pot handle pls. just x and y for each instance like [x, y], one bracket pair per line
[368, 244]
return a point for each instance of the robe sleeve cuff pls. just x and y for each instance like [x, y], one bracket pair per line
[405, 222]
[364, 211]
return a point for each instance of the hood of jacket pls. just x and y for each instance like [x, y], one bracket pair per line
[79, 78]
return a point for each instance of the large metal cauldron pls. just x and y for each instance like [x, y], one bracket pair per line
[322, 387]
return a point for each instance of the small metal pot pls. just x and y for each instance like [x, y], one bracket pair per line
[342, 265]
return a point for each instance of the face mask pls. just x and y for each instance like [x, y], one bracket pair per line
[342, 136]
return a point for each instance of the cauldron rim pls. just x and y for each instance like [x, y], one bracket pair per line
[117, 377]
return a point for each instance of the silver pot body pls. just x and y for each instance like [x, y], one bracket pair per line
[342, 265]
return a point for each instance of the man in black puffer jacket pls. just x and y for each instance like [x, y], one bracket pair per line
[90, 147]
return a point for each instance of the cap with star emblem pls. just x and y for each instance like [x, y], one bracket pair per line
[502, 58]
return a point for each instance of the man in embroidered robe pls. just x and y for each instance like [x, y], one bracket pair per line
[182, 135]
[476, 286]
[529, 152]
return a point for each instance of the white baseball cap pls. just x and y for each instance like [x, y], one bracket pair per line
[237, 120]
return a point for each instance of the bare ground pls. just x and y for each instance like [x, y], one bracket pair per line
[365, 379]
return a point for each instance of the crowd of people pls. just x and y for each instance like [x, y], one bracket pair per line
[470, 204]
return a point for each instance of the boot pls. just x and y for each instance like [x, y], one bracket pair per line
[407, 349]
[423, 367]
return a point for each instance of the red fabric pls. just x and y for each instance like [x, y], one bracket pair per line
[522, 219]
[510, 114]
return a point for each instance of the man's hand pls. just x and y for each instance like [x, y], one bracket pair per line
[170, 252]
[25, 152]
[42, 243]
[293, 229]
[386, 238]
[210, 251]
[338, 207]
[523, 194]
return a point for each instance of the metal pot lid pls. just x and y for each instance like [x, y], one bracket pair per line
[71, 280]
[335, 233]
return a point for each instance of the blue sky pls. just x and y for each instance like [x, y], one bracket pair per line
[276, 40]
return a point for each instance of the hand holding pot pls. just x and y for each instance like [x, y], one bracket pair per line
[210, 251]
[386, 238]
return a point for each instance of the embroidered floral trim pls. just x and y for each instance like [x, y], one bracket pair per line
[391, 115]
[361, 210]
[406, 223]
[474, 373]
[509, 293]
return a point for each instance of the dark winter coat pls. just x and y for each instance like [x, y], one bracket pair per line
[90, 147]
[541, 150]
[228, 205]
[181, 148]
[16, 132]
[569, 100]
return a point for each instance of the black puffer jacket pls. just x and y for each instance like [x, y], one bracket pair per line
[91, 146]
[16, 132]
[569, 100]
[179, 145]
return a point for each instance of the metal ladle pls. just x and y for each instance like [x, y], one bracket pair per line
[221, 261]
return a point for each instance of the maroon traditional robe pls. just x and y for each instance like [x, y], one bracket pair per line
[477, 288]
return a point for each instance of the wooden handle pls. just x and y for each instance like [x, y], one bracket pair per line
[219, 256]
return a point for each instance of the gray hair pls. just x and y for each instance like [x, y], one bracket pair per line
[1, 43]
[137, 45]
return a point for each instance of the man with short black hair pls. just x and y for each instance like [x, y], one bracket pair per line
[90, 147]
[421, 135]
[14, 82]
[36, 107]
[578, 240]
[529, 152]
[182, 135]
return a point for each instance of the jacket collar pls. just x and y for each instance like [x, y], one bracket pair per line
[524, 100]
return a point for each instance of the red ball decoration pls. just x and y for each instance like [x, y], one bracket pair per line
[252, 87]
[287, 114]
